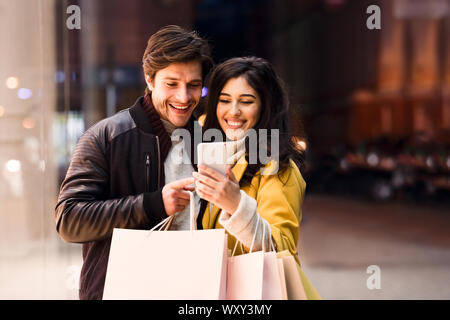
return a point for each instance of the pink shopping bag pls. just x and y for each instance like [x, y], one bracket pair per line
[254, 276]
[294, 285]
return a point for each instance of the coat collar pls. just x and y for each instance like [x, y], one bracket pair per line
[238, 171]
[140, 118]
[239, 168]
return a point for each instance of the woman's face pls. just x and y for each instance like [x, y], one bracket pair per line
[238, 108]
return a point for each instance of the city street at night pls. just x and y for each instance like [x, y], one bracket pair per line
[410, 243]
[101, 104]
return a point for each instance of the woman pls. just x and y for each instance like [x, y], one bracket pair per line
[254, 208]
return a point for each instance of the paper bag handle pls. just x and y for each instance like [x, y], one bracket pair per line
[254, 236]
[272, 246]
[235, 246]
[271, 240]
[166, 223]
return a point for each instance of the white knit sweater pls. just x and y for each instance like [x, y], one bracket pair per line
[178, 166]
[245, 223]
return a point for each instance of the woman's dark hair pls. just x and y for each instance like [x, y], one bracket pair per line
[261, 76]
[173, 44]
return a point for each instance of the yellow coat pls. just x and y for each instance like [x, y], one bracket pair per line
[279, 199]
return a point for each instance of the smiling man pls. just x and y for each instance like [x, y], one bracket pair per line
[121, 174]
[176, 91]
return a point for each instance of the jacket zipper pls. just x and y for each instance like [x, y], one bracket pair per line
[159, 161]
[147, 172]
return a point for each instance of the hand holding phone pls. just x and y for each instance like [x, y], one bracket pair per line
[213, 155]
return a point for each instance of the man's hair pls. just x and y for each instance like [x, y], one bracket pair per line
[173, 44]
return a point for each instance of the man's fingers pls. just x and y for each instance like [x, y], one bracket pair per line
[179, 208]
[189, 188]
[180, 184]
[182, 202]
[180, 194]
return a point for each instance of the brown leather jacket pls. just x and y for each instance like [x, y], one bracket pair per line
[112, 182]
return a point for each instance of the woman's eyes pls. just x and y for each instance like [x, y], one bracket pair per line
[228, 101]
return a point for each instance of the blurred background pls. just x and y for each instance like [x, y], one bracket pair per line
[371, 108]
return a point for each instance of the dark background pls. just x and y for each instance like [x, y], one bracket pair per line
[372, 106]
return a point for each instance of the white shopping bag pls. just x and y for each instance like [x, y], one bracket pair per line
[181, 265]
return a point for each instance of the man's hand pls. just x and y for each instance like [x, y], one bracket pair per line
[175, 195]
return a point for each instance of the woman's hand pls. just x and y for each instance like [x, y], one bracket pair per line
[222, 191]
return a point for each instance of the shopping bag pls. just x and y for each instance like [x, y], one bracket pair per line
[180, 265]
[272, 285]
[282, 279]
[298, 285]
[253, 276]
[245, 276]
[294, 285]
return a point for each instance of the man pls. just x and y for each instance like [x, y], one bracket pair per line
[117, 176]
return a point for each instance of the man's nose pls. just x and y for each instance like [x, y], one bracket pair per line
[183, 95]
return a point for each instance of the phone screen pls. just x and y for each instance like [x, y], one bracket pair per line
[213, 155]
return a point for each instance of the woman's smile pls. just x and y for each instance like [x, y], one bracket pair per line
[235, 123]
[238, 107]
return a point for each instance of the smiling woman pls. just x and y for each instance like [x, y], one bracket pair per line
[238, 108]
[245, 94]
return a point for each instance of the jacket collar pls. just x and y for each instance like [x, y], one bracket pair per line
[238, 171]
[140, 117]
[150, 123]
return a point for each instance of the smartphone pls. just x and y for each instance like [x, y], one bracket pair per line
[213, 155]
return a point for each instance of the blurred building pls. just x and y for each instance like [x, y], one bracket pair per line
[27, 93]
[369, 93]
[360, 83]
[27, 168]
[348, 85]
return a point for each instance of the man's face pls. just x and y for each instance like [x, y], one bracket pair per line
[176, 91]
